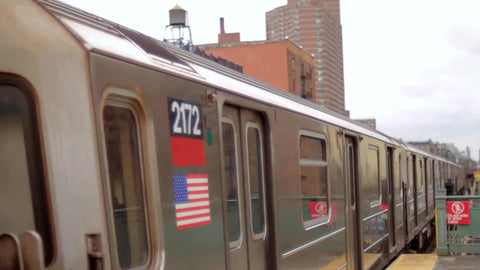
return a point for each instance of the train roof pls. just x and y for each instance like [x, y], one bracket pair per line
[108, 38]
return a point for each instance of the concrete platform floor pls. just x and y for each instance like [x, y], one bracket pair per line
[434, 262]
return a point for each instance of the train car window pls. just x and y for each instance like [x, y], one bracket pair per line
[23, 190]
[372, 185]
[126, 185]
[441, 174]
[421, 179]
[437, 174]
[256, 179]
[399, 175]
[410, 175]
[232, 186]
[429, 176]
[313, 179]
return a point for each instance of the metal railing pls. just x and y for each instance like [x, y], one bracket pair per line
[457, 239]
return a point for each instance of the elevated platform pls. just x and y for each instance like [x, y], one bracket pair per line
[434, 262]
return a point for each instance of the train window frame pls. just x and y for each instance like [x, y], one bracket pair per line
[437, 174]
[377, 202]
[429, 181]
[38, 157]
[263, 234]
[237, 243]
[421, 171]
[411, 185]
[313, 223]
[131, 100]
[400, 175]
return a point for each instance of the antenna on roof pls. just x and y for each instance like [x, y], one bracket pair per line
[178, 31]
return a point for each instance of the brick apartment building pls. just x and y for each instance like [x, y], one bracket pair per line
[279, 63]
[315, 25]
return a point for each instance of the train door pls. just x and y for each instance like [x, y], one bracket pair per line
[391, 198]
[436, 175]
[400, 166]
[354, 249]
[244, 189]
[406, 195]
[420, 168]
[428, 185]
[415, 190]
[430, 188]
[410, 198]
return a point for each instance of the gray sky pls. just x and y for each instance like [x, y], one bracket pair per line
[413, 65]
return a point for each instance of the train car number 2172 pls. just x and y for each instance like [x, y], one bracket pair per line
[185, 118]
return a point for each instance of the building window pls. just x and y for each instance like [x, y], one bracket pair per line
[313, 179]
[303, 87]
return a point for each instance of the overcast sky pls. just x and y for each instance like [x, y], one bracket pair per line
[414, 65]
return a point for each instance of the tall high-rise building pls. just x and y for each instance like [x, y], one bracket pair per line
[315, 25]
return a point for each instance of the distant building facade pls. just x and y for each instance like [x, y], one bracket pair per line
[315, 25]
[282, 64]
[447, 151]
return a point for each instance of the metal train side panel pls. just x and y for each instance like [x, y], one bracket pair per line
[294, 161]
[36, 47]
[400, 182]
[411, 198]
[372, 200]
[202, 245]
[249, 203]
[302, 242]
[430, 189]
[421, 192]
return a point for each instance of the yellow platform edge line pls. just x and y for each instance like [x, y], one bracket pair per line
[414, 262]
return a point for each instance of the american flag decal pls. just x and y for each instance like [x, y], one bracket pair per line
[192, 204]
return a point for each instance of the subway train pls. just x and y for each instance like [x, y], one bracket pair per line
[120, 151]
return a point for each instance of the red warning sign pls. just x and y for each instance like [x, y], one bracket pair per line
[318, 209]
[458, 212]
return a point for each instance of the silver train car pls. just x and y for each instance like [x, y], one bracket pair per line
[119, 151]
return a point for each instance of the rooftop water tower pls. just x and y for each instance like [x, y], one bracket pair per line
[178, 31]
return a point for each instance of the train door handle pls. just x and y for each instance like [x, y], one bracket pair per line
[94, 252]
